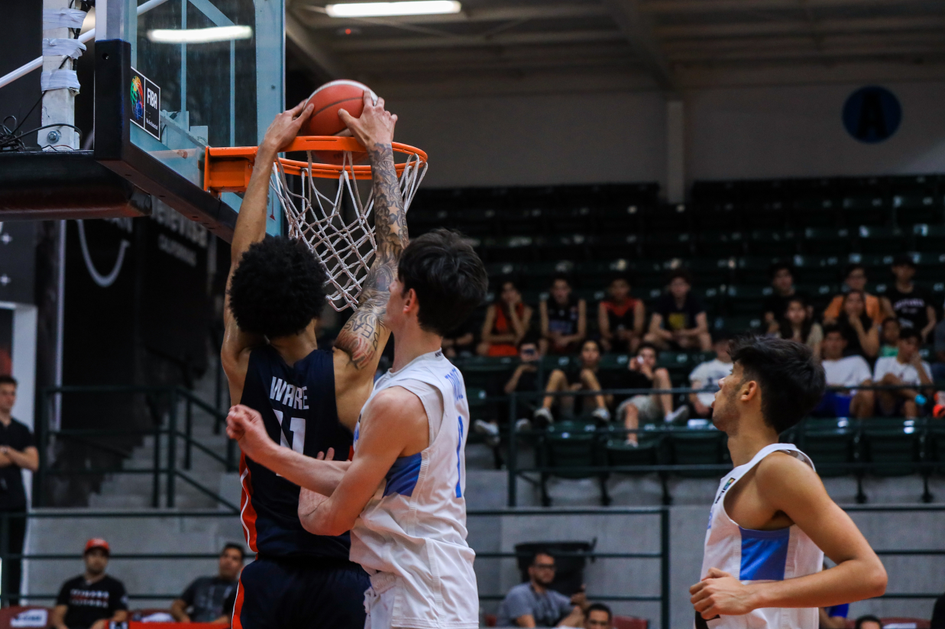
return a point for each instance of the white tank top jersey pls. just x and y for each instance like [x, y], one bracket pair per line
[751, 555]
[414, 527]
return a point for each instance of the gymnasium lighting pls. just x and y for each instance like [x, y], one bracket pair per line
[388, 9]
[199, 35]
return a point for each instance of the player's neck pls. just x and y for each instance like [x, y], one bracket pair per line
[5, 418]
[411, 342]
[296, 347]
[904, 287]
[748, 441]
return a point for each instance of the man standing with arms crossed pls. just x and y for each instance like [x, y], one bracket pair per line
[772, 520]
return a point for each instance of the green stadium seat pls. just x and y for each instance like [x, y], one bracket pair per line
[754, 270]
[918, 207]
[929, 237]
[868, 207]
[566, 448]
[720, 243]
[935, 445]
[522, 222]
[892, 446]
[745, 299]
[766, 213]
[736, 325]
[572, 220]
[614, 362]
[830, 443]
[887, 240]
[646, 453]
[666, 218]
[508, 249]
[619, 219]
[814, 269]
[772, 242]
[667, 245]
[698, 447]
[486, 372]
[475, 222]
[816, 210]
[825, 240]
[562, 247]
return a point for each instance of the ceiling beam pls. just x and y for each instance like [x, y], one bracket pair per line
[314, 16]
[322, 61]
[639, 33]
[456, 41]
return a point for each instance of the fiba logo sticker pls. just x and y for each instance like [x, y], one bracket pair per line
[872, 114]
[145, 105]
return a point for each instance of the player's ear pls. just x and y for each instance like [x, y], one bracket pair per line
[750, 390]
[410, 301]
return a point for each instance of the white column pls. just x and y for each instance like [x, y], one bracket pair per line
[675, 151]
[58, 104]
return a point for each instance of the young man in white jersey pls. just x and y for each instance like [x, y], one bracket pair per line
[401, 495]
[772, 520]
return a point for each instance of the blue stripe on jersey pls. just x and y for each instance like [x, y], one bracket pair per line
[403, 475]
[459, 471]
[764, 554]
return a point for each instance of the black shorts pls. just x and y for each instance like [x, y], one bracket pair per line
[301, 594]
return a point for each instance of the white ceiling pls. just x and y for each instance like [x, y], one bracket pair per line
[534, 46]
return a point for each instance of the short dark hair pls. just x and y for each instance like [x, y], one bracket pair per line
[599, 607]
[910, 333]
[850, 268]
[903, 259]
[448, 277]
[868, 618]
[833, 327]
[891, 319]
[791, 381]
[8, 379]
[530, 338]
[234, 546]
[683, 274]
[540, 551]
[647, 345]
[622, 277]
[278, 288]
[563, 277]
[780, 266]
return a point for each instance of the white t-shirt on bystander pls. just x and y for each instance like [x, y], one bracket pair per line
[848, 371]
[708, 374]
[906, 372]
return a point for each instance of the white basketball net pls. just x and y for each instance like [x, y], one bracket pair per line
[337, 224]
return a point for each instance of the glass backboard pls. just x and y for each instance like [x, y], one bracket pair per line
[204, 72]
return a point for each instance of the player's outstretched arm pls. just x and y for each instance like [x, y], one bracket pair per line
[361, 341]
[790, 486]
[251, 228]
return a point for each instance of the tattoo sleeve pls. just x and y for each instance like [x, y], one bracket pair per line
[360, 338]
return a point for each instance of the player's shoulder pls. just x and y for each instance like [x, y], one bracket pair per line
[782, 468]
[395, 400]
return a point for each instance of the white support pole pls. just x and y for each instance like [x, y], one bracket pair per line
[675, 151]
[58, 104]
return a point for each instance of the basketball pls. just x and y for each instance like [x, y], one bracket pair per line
[328, 99]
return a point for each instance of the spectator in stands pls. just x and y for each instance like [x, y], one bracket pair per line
[648, 408]
[507, 321]
[92, 599]
[855, 279]
[679, 321]
[461, 341]
[17, 453]
[204, 597]
[775, 305]
[535, 604]
[889, 336]
[598, 616]
[523, 380]
[862, 336]
[848, 372]
[834, 617]
[868, 622]
[563, 319]
[621, 318]
[706, 376]
[906, 368]
[912, 305]
[797, 324]
[583, 377]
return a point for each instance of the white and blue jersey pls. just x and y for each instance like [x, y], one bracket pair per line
[750, 555]
[411, 536]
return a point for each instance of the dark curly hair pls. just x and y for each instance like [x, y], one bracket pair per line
[278, 288]
[448, 277]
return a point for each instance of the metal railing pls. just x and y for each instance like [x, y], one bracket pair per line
[174, 429]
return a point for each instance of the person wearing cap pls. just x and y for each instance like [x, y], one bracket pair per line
[911, 304]
[92, 599]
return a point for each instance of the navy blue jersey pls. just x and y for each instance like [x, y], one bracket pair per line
[297, 405]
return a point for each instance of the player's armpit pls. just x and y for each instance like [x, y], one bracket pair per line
[792, 487]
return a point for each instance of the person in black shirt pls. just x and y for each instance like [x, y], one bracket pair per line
[775, 305]
[17, 452]
[911, 304]
[642, 373]
[524, 380]
[563, 319]
[679, 320]
[91, 600]
[206, 595]
[583, 376]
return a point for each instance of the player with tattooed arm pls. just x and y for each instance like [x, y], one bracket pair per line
[309, 399]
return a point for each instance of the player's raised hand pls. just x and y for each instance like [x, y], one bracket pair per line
[285, 127]
[721, 594]
[245, 426]
[374, 127]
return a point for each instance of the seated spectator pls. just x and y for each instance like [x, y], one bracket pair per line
[906, 368]
[535, 604]
[584, 377]
[775, 305]
[868, 622]
[855, 279]
[706, 376]
[679, 320]
[889, 337]
[563, 319]
[797, 324]
[506, 323]
[523, 380]
[598, 616]
[834, 617]
[648, 408]
[909, 303]
[621, 318]
[92, 599]
[862, 336]
[460, 342]
[204, 597]
[844, 371]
